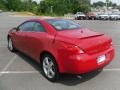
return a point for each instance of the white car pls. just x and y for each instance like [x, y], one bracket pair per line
[114, 16]
[103, 16]
[80, 16]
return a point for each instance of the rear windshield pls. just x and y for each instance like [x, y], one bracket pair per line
[63, 24]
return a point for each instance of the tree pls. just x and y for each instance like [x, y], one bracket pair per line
[57, 7]
[2, 5]
[83, 6]
[60, 7]
[12, 4]
[111, 4]
[99, 3]
[34, 7]
[114, 5]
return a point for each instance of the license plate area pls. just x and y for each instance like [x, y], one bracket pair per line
[101, 59]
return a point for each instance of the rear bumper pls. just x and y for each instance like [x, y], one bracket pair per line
[85, 63]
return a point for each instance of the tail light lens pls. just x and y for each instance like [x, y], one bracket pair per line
[111, 43]
[73, 48]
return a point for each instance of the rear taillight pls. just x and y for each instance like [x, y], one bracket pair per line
[73, 48]
[111, 43]
[76, 49]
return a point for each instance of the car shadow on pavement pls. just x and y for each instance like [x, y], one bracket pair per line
[71, 80]
[65, 79]
[29, 60]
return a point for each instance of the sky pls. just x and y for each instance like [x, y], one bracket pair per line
[115, 1]
[37, 1]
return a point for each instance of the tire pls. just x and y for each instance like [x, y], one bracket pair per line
[49, 68]
[10, 45]
[78, 18]
[84, 18]
[81, 18]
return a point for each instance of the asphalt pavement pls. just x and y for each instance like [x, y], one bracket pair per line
[19, 72]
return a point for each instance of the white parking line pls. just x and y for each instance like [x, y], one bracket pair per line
[18, 72]
[118, 22]
[9, 63]
[36, 72]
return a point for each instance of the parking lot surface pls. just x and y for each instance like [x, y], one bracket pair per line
[19, 72]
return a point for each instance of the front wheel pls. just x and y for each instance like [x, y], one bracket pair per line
[10, 45]
[50, 68]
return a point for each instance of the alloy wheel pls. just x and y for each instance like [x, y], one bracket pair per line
[48, 67]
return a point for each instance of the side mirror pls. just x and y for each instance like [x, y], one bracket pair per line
[15, 29]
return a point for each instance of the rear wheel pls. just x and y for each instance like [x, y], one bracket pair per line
[50, 68]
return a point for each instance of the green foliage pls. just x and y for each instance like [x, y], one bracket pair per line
[18, 5]
[101, 4]
[47, 7]
[52, 7]
[61, 7]
[2, 6]
[12, 4]
[111, 4]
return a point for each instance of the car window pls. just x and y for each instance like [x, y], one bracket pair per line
[27, 26]
[38, 27]
[63, 24]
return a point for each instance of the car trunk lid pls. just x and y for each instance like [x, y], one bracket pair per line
[94, 44]
[91, 42]
[79, 34]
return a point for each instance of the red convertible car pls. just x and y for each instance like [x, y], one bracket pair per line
[61, 46]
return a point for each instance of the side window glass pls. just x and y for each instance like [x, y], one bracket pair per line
[28, 26]
[38, 28]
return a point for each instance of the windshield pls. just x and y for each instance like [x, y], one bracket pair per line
[63, 24]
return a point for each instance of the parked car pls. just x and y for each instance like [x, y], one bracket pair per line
[103, 16]
[91, 16]
[80, 16]
[114, 16]
[61, 46]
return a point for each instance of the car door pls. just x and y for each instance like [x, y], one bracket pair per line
[36, 40]
[21, 35]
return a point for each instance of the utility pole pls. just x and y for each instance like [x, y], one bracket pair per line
[51, 9]
[107, 1]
